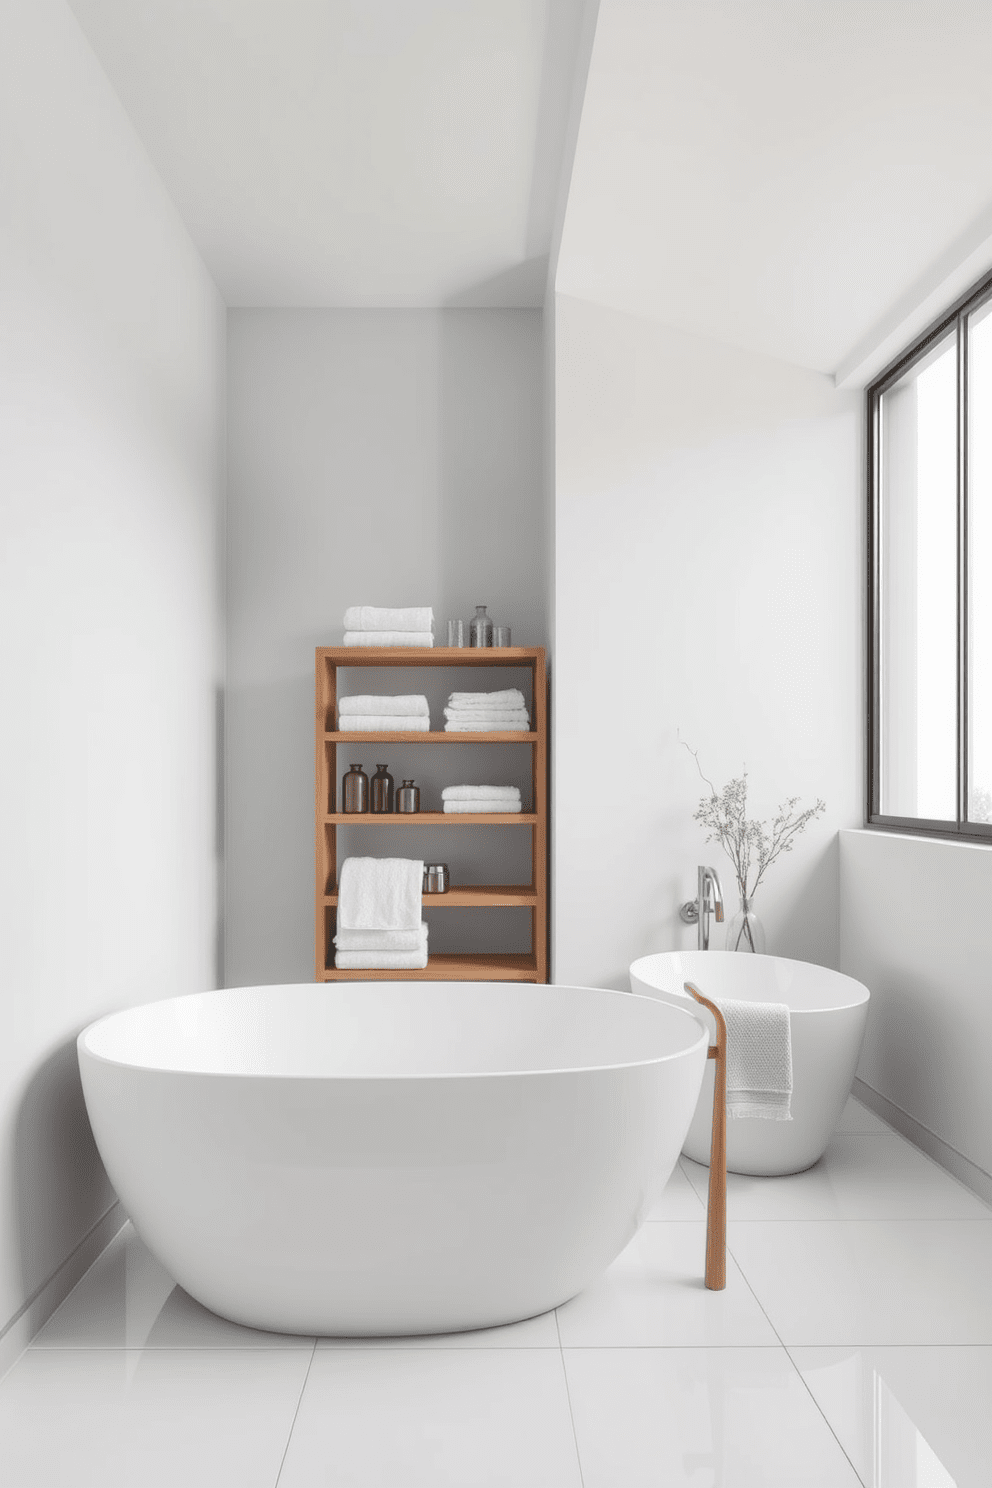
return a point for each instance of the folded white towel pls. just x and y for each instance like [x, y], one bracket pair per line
[495, 804]
[488, 715]
[409, 702]
[381, 960]
[388, 638]
[384, 723]
[382, 940]
[485, 713]
[483, 792]
[380, 893]
[510, 697]
[485, 726]
[369, 617]
[759, 1058]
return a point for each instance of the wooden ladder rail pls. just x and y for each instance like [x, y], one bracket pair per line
[716, 1207]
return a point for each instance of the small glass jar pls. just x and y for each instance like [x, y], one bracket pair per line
[480, 628]
[355, 790]
[408, 798]
[382, 790]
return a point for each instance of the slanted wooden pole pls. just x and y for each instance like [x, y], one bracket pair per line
[716, 1209]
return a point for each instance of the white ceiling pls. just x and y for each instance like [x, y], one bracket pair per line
[792, 176]
[785, 175]
[353, 152]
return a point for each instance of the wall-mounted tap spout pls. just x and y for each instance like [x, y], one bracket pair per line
[709, 899]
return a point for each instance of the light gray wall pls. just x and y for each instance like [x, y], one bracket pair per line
[111, 371]
[914, 916]
[375, 457]
[708, 559]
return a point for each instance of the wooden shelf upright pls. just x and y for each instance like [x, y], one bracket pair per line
[530, 966]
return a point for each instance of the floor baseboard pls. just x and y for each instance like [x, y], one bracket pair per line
[26, 1322]
[961, 1167]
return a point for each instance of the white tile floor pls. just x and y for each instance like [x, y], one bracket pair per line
[853, 1344]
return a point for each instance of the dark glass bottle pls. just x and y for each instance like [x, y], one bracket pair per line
[355, 790]
[382, 790]
[408, 797]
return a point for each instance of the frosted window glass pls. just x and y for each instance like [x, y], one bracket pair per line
[980, 567]
[918, 618]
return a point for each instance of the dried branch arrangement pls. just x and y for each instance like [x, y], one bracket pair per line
[752, 846]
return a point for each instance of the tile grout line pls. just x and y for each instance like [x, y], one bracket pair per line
[292, 1427]
[176, 1348]
[823, 1416]
[785, 1349]
[847, 1219]
[861, 1218]
[758, 1301]
[568, 1397]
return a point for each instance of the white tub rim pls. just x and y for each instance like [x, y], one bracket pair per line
[85, 1047]
[826, 973]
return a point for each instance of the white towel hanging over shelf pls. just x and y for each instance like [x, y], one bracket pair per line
[380, 893]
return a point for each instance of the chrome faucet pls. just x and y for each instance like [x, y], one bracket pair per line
[697, 911]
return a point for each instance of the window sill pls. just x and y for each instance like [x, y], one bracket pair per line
[927, 839]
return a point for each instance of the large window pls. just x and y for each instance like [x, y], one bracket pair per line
[930, 559]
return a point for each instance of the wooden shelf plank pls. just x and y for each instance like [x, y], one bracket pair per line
[432, 738]
[468, 656]
[465, 896]
[448, 967]
[431, 819]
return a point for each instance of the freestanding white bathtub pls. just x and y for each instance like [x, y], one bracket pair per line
[828, 1013]
[390, 1158]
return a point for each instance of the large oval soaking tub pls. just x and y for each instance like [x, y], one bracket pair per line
[827, 1012]
[390, 1158]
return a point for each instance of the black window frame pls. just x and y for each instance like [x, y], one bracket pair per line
[955, 318]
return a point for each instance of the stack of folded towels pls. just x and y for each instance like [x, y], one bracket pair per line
[364, 625]
[483, 798]
[367, 714]
[487, 712]
[380, 920]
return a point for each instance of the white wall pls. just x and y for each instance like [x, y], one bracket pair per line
[708, 566]
[111, 367]
[914, 918]
[375, 457]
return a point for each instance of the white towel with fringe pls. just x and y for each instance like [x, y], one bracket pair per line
[380, 893]
[759, 1058]
[389, 638]
[407, 703]
[373, 617]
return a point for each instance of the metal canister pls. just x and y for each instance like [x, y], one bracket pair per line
[436, 878]
[408, 798]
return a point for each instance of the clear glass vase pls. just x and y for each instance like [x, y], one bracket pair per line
[745, 931]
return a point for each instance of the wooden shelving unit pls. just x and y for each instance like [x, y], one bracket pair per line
[531, 966]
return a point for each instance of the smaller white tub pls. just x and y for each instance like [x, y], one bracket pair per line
[828, 1012]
